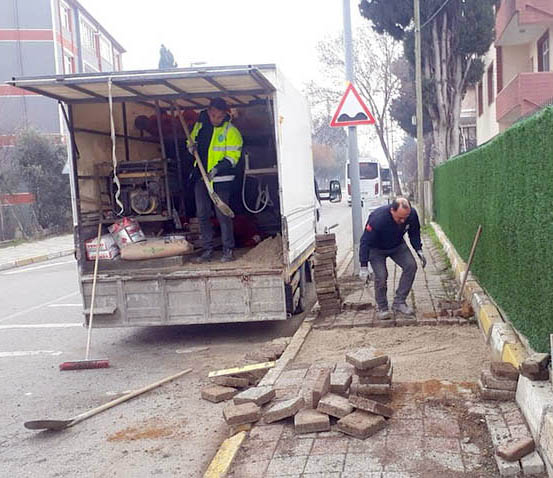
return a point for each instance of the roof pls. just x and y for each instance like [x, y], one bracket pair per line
[189, 87]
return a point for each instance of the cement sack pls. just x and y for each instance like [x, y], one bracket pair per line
[156, 248]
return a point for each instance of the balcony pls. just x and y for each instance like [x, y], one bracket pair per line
[525, 93]
[521, 21]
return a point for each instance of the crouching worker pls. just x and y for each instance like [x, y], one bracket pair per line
[383, 238]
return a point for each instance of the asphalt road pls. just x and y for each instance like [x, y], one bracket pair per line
[167, 432]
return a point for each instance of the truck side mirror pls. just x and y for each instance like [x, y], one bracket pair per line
[335, 191]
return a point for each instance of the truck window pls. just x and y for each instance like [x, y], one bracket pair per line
[367, 171]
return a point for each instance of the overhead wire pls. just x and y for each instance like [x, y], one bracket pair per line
[435, 14]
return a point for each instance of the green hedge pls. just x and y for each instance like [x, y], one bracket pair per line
[506, 185]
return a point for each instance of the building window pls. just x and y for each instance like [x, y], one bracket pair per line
[66, 17]
[480, 99]
[117, 62]
[491, 95]
[499, 67]
[68, 64]
[105, 50]
[543, 52]
[87, 36]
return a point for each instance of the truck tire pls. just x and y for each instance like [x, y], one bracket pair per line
[302, 302]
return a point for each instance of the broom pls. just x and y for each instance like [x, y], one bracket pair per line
[88, 363]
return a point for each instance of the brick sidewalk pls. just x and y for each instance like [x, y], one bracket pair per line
[36, 251]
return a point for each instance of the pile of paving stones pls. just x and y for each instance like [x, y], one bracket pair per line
[326, 282]
[499, 382]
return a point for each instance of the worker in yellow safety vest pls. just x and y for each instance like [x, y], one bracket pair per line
[219, 145]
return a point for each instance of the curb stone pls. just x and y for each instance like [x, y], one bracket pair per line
[35, 259]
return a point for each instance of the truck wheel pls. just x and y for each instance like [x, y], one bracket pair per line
[302, 286]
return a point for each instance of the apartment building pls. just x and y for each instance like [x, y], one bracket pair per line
[518, 79]
[45, 37]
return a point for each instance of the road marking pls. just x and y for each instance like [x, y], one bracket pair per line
[36, 307]
[20, 271]
[65, 305]
[23, 353]
[41, 326]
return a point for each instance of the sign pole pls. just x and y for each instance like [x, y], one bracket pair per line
[420, 135]
[353, 155]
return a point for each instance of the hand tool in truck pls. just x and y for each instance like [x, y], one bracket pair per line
[88, 363]
[63, 424]
[219, 203]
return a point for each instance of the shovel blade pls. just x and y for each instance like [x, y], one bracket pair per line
[47, 424]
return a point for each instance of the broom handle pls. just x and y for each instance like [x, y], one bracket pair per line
[471, 257]
[93, 298]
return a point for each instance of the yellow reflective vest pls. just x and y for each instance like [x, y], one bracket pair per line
[226, 143]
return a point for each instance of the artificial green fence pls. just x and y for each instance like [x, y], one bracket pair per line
[507, 186]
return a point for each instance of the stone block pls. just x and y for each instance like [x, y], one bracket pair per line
[371, 406]
[257, 395]
[360, 424]
[501, 333]
[532, 464]
[535, 399]
[238, 382]
[515, 449]
[536, 367]
[489, 381]
[241, 414]
[284, 409]
[504, 370]
[334, 405]
[321, 386]
[546, 439]
[379, 371]
[494, 394]
[507, 468]
[218, 393]
[377, 379]
[340, 382]
[366, 358]
[369, 390]
[309, 421]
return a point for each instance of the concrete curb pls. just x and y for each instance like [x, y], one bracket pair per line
[33, 260]
[535, 399]
[223, 459]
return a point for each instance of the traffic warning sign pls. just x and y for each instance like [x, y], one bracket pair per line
[352, 111]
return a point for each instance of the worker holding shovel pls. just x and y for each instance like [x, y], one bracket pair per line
[383, 238]
[218, 145]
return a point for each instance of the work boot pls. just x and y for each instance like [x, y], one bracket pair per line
[383, 314]
[206, 256]
[227, 256]
[404, 309]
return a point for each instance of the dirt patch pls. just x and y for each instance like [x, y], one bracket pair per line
[148, 430]
[267, 252]
[456, 354]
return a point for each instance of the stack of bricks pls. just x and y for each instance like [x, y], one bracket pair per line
[326, 284]
[499, 382]
[373, 373]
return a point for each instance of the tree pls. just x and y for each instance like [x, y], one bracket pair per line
[38, 163]
[166, 59]
[455, 36]
[329, 150]
[374, 58]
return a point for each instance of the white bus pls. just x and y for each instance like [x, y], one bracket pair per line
[369, 179]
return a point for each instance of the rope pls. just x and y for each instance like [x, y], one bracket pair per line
[113, 155]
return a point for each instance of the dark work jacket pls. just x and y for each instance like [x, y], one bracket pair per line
[382, 232]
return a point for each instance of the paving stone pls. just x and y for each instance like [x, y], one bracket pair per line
[340, 382]
[284, 409]
[489, 381]
[515, 449]
[240, 414]
[309, 421]
[218, 393]
[494, 394]
[257, 395]
[535, 367]
[293, 447]
[286, 465]
[532, 464]
[329, 446]
[323, 464]
[377, 379]
[321, 386]
[334, 405]
[504, 370]
[238, 382]
[366, 358]
[380, 371]
[370, 390]
[360, 424]
[371, 406]
[507, 468]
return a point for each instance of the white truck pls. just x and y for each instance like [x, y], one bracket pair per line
[128, 157]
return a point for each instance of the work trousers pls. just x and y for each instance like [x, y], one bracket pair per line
[204, 211]
[402, 256]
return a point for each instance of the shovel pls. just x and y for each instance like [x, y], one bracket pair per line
[219, 203]
[63, 424]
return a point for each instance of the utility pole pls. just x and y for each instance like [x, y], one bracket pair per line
[420, 137]
[353, 153]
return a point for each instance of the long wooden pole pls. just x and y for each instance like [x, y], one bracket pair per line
[471, 257]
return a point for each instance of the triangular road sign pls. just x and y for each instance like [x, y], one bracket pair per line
[352, 111]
